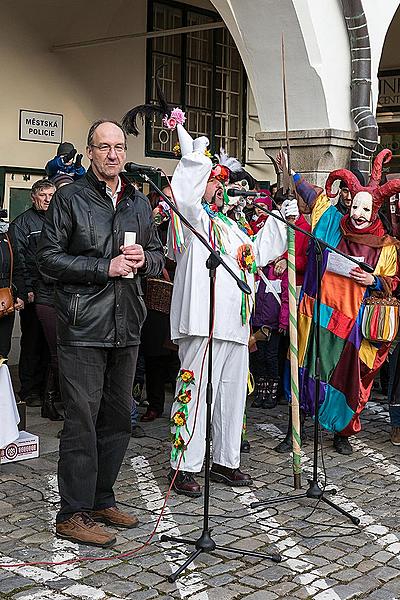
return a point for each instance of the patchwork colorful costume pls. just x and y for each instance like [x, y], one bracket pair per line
[190, 315]
[349, 362]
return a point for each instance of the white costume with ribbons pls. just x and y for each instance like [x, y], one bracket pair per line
[190, 314]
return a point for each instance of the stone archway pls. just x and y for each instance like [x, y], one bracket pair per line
[318, 71]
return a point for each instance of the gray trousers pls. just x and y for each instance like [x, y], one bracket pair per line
[96, 389]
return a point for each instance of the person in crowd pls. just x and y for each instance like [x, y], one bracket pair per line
[349, 359]
[393, 395]
[198, 190]
[343, 203]
[99, 317]
[160, 355]
[138, 384]
[270, 320]
[64, 164]
[44, 288]
[11, 275]
[62, 179]
[272, 312]
[33, 368]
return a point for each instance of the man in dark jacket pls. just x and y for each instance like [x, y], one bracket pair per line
[34, 357]
[100, 313]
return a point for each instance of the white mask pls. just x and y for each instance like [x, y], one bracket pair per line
[361, 210]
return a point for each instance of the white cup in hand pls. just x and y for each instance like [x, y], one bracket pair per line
[129, 240]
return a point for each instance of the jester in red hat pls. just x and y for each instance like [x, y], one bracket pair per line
[349, 362]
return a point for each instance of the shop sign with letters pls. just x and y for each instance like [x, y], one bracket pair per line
[35, 126]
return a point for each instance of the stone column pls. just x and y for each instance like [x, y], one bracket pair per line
[314, 152]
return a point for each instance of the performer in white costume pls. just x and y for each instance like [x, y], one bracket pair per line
[199, 195]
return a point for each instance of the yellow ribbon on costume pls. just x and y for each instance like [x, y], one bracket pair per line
[250, 383]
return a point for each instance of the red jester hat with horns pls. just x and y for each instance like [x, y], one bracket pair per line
[377, 192]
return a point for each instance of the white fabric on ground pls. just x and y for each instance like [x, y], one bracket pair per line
[8, 409]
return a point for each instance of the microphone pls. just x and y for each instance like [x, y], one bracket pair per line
[235, 193]
[132, 167]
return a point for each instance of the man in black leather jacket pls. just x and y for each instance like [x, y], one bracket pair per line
[34, 360]
[100, 313]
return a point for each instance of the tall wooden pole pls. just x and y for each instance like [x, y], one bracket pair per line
[294, 364]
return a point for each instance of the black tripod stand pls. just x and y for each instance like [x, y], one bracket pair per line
[205, 542]
[315, 491]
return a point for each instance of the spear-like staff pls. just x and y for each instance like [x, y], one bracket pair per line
[288, 185]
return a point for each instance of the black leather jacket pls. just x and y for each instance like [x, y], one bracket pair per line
[81, 234]
[25, 233]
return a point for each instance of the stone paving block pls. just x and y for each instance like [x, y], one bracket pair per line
[215, 594]
[367, 565]
[284, 589]
[262, 595]
[222, 580]
[144, 595]
[14, 582]
[148, 578]
[345, 592]
[384, 573]
[346, 575]
[122, 588]
[274, 573]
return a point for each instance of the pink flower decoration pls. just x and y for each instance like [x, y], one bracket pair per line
[176, 117]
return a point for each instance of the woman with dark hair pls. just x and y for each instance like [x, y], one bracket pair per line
[11, 275]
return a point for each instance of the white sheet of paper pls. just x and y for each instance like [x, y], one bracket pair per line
[341, 265]
[129, 239]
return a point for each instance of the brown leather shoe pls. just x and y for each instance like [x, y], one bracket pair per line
[395, 436]
[150, 415]
[185, 484]
[233, 477]
[81, 529]
[114, 516]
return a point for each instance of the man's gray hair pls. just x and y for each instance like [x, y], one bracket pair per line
[95, 125]
[41, 185]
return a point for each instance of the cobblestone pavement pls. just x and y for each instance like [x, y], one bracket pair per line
[324, 556]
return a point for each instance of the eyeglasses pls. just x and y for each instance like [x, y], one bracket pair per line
[106, 148]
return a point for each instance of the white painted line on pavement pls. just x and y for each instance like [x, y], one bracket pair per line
[187, 585]
[62, 549]
[308, 576]
[379, 533]
[42, 595]
[41, 575]
[385, 466]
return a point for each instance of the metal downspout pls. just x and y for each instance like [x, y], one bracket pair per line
[357, 30]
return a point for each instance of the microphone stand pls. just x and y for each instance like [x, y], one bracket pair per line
[205, 542]
[314, 490]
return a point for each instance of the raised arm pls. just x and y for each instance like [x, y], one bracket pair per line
[271, 241]
[190, 178]
[308, 193]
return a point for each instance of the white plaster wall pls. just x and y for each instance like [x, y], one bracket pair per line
[82, 84]
[328, 53]
[257, 27]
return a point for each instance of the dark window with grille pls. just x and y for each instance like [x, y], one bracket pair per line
[203, 74]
